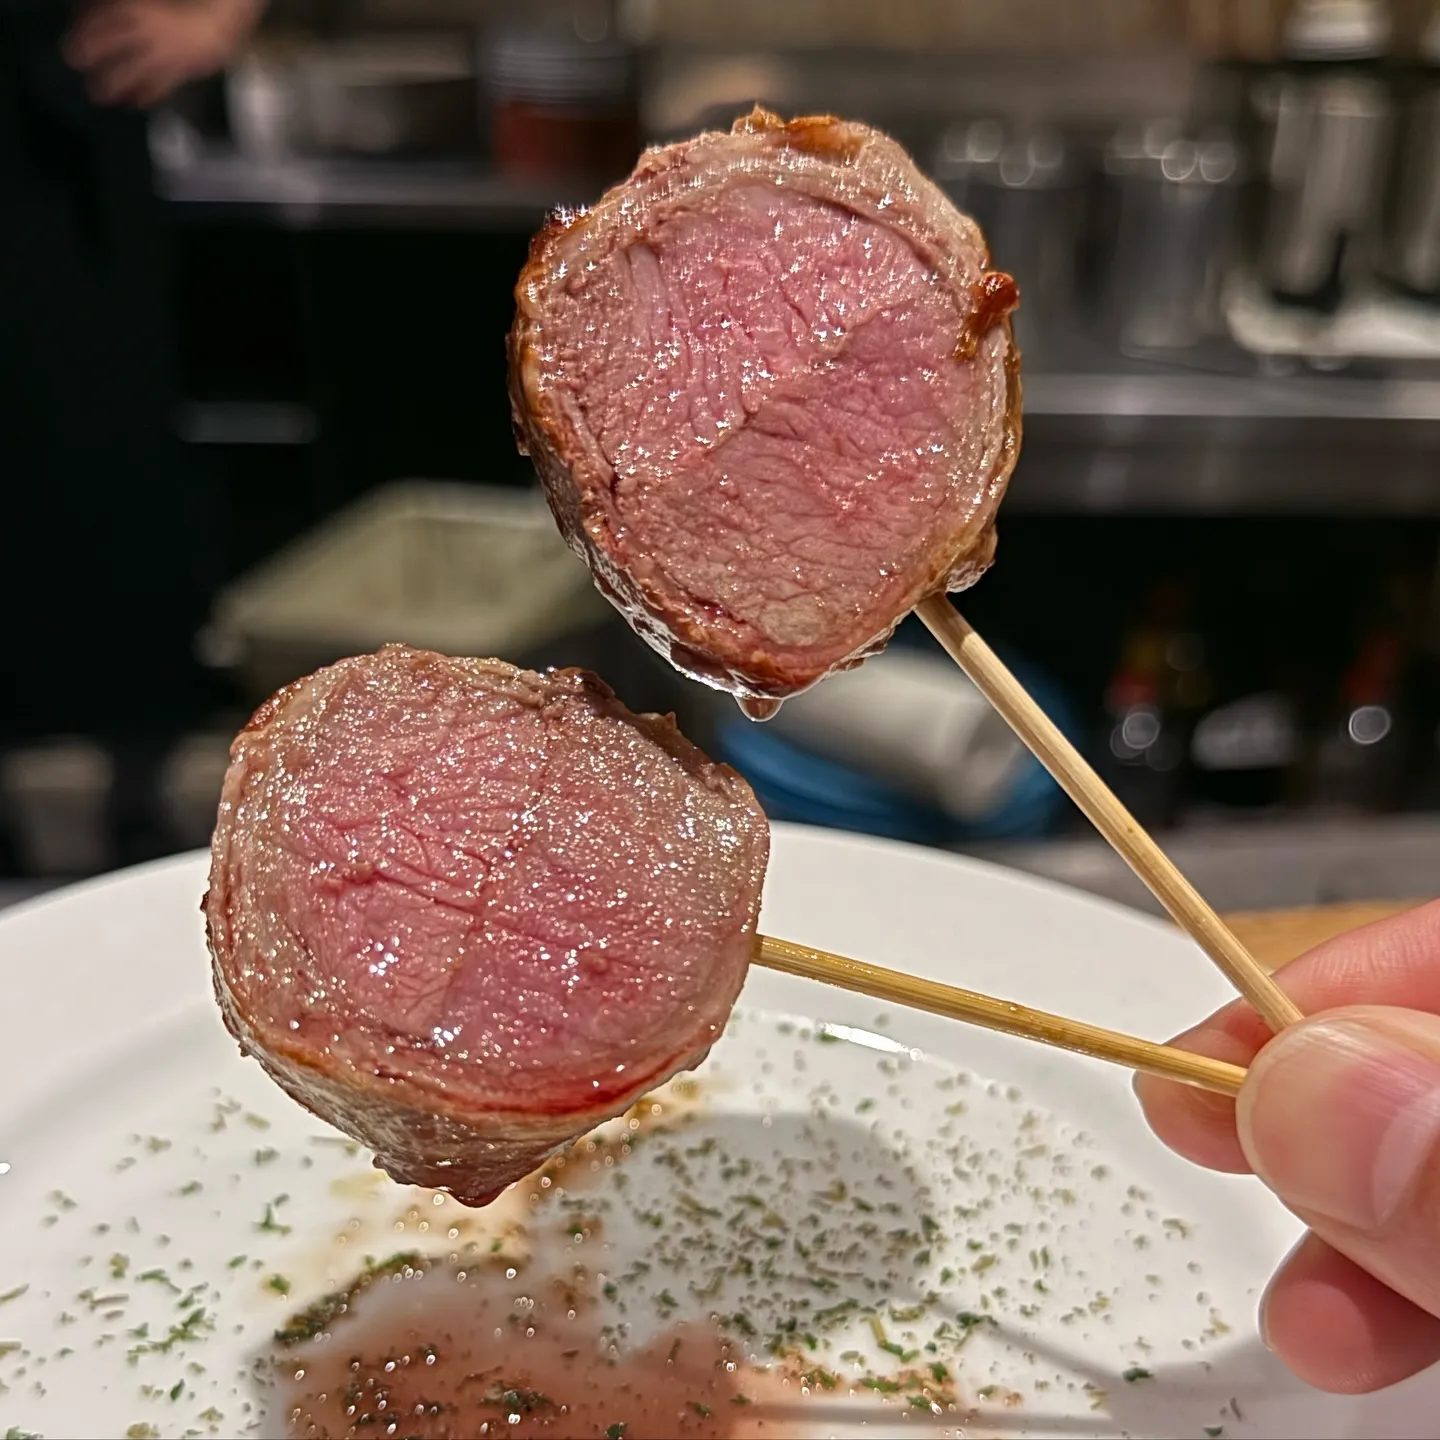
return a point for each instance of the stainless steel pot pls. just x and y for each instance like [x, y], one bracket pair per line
[1173, 203]
[1412, 233]
[381, 96]
[392, 96]
[1413, 243]
[1326, 121]
[1325, 140]
[1025, 192]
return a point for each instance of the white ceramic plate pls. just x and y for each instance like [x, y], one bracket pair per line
[916, 1195]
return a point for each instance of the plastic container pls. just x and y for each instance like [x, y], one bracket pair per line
[467, 570]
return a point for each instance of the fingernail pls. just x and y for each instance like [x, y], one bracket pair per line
[1340, 1115]
[1263, 1322]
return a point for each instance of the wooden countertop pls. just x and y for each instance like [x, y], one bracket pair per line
[1277, 936]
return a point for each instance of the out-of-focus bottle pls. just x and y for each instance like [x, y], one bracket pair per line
[1136, 756]
[1422, 787]
[1325, 115]
[1151, 700]
[1361, 754]
[563, 85]
[1170, 201]
[1245, 749]
[1411, 253]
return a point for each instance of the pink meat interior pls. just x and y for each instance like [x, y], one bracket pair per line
[525, 900]
[773, 380]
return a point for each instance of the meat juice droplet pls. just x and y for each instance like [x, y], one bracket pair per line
[447, 1353]
[758, 707]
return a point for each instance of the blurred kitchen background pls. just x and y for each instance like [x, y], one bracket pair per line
[1220, 557]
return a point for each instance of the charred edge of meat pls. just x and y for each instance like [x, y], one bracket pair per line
[827, 137]
[557, 222]
[995, 297]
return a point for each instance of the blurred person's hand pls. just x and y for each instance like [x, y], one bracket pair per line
[1340, 1117]
[137, 52]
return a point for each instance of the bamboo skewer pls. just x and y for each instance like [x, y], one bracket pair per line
[1010, 1019]
[1106, 813]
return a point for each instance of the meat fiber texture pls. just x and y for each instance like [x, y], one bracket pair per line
[464, 912]
[770, 387]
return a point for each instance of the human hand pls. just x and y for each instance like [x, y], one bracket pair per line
[1340, 1116]
[136, 52]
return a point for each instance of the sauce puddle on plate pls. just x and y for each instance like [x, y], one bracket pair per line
[438, 1350]
[604, 1297]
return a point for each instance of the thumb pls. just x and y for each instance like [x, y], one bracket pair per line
[1340, 1116]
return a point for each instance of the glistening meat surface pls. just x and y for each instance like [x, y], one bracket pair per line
[465, 912]
[770, 386]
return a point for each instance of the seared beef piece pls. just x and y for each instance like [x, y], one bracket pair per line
[770, 386]
[465, 912]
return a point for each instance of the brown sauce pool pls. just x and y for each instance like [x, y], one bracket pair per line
[449, 1353]
[543, 1320]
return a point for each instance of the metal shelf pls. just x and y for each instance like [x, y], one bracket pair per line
[1192, 443]
[1121, 397]
[1212, 432]
[304, 194]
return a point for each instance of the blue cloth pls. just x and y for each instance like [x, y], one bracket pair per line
[795, 784]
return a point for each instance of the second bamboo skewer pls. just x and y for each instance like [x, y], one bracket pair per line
[1167, 1061]
[1129, 839]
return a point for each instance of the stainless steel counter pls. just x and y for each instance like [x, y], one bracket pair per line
[1258, 865]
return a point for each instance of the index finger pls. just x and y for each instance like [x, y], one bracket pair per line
[1392, 962]
[100, 34]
